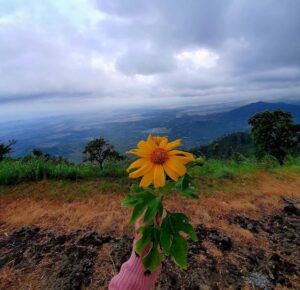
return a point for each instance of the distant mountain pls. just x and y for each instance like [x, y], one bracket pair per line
[67, 135]
[244, 113]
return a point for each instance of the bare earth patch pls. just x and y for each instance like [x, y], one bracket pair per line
[248, 239]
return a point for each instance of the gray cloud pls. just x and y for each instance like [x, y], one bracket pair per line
[145, 62]
[148, 50]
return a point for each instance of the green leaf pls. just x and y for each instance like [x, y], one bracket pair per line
[150, 240]
[165, 236]
[186, 179]
[185, 187]
[152, 260]
[143, 201]
[171, 240]
[179, 251]
[197, 162]
[189, 230]
[136, 188]
[153, 207]
[142, 243]
[129, 200]
[165, 190]
[136, 213]
[133, 199]
[189, 193]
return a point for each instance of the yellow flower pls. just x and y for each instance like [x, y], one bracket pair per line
[157, 158]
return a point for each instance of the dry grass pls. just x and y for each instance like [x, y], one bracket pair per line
[99, 209]
[102, 211]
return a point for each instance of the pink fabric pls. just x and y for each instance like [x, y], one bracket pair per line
[132, 277]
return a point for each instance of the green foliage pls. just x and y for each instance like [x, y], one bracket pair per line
[163, 238]
[230, 169]
[184, 186]
[16, 171]
[99, 150]
[36, 153]
[291, 165]
[171, 240]
[231, 146]
[34, 169]
[6, 149]
[143, 201]
[274, 133]
[150, 242]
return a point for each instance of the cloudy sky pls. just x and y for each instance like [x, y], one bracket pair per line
[64, 55]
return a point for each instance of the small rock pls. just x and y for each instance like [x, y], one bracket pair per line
[292, 210]
[258, 281]
[220, 240]
[91, 238]
[246, 223]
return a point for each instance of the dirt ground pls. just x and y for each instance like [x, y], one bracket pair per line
[248, 239]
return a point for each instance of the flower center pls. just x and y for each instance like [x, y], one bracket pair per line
[159, 156]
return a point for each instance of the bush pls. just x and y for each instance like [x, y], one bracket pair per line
[230, 169]
[227, 168]
[16, 171]
[225, 173]
[33, 169]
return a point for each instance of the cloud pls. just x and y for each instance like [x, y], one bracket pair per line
[197, 58]
[144, 62]
[148, 52]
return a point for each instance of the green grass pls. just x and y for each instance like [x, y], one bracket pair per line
[230, 169]
[16, 171]
[231, 175]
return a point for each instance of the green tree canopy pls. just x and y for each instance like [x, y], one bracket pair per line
[274, 133]
[37, 153]
[98, 150]
[233, 146]
[6, 149]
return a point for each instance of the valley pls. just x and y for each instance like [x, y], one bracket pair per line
[67, 135]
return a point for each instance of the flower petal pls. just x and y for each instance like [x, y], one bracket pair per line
[143, 145]
[183, 153]
[139, 152]
[170, 172]
[141, 171]
[163, 142]
[147, 179]
[173, 144]
[159, 176]
[150, 142]
[176, 166]
[138, 163]
[182, 159]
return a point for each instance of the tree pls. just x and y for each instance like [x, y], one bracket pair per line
[296, 150]
[6, 149]
[231, 146]
[274, 133]
[36, 153]
[98, 150]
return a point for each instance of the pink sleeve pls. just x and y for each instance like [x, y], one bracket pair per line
[132, 277]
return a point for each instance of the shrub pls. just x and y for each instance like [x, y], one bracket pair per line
[16, 171]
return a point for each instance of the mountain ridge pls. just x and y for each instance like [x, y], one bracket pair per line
[67, 136]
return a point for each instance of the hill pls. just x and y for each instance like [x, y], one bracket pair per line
[228, 146]
[67, 135]
[240, 115]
